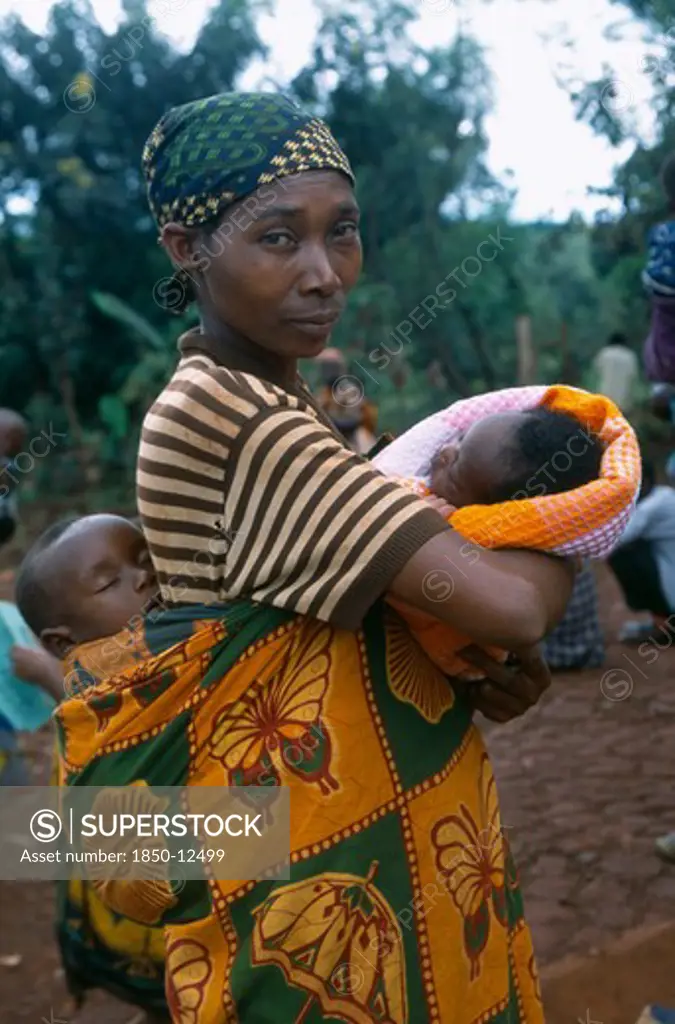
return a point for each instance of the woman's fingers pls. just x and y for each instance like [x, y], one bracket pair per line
[497, 671]
[493, 701]
[508, 691]
[534, 672]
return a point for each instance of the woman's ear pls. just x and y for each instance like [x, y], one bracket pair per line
[58, 641]
[179, 244]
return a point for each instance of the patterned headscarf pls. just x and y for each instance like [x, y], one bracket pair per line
[205, 155]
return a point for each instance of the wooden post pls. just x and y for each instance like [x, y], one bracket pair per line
[527, 357]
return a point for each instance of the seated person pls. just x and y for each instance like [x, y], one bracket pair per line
[555, 469]
[644, 560]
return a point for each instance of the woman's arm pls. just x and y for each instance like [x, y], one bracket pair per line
[509, 599]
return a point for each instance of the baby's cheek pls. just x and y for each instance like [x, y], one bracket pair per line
[446, 489]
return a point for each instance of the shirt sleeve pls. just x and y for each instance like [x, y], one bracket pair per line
[314, 528]
[640, 523]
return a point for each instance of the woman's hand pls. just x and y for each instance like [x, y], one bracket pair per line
[509, 690]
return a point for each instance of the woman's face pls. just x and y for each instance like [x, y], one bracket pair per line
[280, 265]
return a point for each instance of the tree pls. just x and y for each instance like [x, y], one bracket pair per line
[77, 106]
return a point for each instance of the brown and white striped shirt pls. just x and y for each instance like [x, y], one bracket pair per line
[245, 491]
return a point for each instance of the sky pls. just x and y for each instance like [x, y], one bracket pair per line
[535, 143]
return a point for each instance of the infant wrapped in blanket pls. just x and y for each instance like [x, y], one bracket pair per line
[553, 469]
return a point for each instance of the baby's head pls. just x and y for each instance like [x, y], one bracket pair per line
[85, 579]
[514, 455]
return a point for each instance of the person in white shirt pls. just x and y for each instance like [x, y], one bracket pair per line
[617, 372]
[644, 561]
[644, 565]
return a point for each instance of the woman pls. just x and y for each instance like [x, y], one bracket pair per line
[275, 547]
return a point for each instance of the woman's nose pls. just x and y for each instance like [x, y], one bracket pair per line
[318, 274]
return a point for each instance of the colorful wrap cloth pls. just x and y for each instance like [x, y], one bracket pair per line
[403, 904]
[101, 949]
[587, 521]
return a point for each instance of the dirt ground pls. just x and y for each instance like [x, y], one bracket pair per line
[586, 782]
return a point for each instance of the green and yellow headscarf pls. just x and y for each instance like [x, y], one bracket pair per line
[205, 155]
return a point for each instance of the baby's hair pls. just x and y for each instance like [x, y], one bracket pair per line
[533, 460]
[34, 598]
[668, 177]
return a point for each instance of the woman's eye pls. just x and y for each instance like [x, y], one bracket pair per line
[279, 239]
[346, 229]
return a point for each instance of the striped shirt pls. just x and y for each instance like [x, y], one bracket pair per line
[244, 490]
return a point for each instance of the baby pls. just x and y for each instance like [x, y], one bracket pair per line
[511, 455]
[85, 579]
[503, 457]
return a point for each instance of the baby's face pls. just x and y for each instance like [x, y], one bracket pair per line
[465, 472]
[108, 577]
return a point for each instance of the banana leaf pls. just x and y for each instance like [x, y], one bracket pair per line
[118, 310]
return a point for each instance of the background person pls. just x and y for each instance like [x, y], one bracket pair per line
[13, 440]
[658, 277]
[577, 642]
[342, 399]
[617, 372]
[644, 560]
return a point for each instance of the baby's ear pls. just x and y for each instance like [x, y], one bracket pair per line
[58, 641]
[441, 458]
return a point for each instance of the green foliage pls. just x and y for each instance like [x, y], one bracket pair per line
[118, 310]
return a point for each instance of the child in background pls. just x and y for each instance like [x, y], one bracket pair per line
[658, 276]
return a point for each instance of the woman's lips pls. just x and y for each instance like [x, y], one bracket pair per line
[316, 327]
